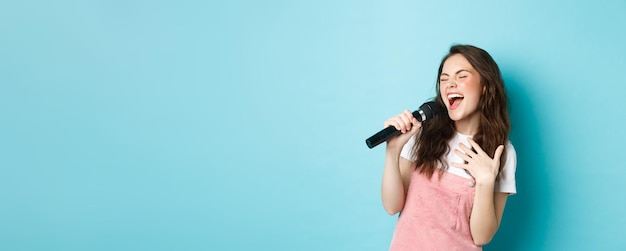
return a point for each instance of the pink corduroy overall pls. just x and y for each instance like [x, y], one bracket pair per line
[436, 214]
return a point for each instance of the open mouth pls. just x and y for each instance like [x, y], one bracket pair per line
[454, 100]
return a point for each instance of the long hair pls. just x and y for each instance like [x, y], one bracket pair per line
[432, 141]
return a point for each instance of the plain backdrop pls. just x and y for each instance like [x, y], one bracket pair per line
[240, 125]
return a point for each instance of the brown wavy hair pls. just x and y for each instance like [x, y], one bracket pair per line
[432, 142]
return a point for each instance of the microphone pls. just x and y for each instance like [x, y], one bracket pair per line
[426, 111]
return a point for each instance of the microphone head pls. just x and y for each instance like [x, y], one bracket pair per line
[430, 109]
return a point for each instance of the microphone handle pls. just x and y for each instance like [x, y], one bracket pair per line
[382, 136]
[390, 132]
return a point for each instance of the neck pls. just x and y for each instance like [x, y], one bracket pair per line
[469, 125]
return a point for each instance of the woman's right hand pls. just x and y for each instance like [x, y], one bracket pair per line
[405, 123]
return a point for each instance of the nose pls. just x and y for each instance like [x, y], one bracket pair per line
[451, 83]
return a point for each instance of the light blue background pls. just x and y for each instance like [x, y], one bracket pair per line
[240, 125]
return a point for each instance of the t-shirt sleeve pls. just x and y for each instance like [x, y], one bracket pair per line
[506, 181]
[407, 149]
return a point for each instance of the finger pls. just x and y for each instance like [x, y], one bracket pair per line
[408, 114]
[399, 124]
[389, 122]
[416, 124]
[462, 155]
[406, 119]
[469, 152]
[410, 117]
[393, 122]
[459, 165]
[498, 152]
[476, 146]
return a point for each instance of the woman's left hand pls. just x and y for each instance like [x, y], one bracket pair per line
[482, 167]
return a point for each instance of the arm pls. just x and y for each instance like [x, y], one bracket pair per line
[488, 205]
[396, 177]
[486, 213]
[397, 170]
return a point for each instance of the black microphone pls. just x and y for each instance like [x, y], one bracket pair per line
[427, 111]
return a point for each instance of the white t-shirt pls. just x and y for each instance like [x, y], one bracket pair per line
[506, 181]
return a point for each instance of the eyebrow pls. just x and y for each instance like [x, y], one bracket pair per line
[457, 72]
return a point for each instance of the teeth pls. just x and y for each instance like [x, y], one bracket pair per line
[454, 95]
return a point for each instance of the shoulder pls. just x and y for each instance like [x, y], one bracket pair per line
[509, 149]
[506, 181]
[510, 160]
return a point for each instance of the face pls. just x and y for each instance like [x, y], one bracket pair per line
[460, 89]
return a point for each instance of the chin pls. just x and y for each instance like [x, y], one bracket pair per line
[451, 114]
[455, 116]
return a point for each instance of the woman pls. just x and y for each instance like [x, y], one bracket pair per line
[450, 176]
